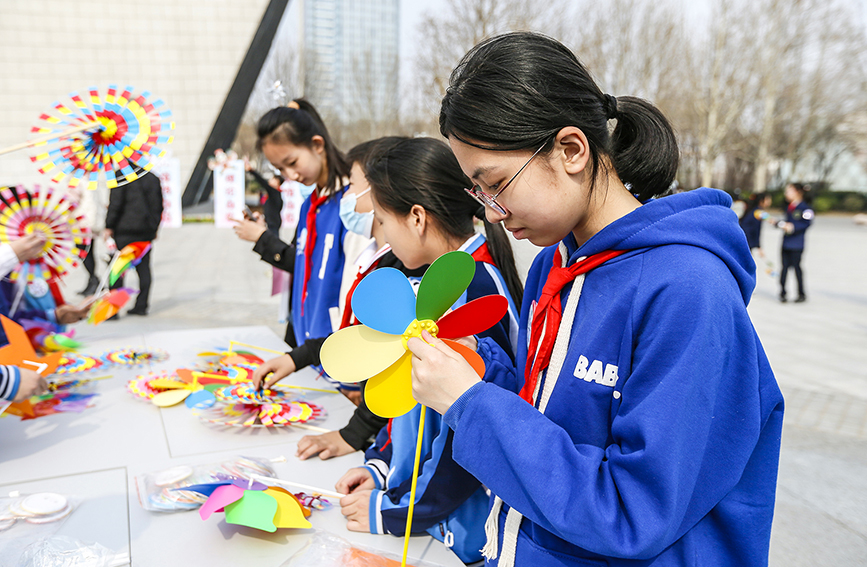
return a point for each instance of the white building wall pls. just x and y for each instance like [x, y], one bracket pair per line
[186, 52]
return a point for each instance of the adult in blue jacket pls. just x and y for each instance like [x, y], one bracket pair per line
[799, 217]
[646, 427]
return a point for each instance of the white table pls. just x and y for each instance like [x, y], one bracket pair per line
[95, 455]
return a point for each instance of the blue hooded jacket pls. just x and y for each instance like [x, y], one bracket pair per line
[660, 441]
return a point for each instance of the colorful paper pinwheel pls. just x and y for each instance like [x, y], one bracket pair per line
[23, 212]
[72, 363]
[390, 314]
[252, 504]
[129, 256]
[118, 133]
[19, 352]
[386, 306]
[109, 304]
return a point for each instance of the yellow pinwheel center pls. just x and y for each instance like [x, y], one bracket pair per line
[416, 327]
[109, 128]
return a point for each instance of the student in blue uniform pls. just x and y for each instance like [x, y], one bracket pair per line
[799, 216]
[18, 384]
[295, 140]
[646, 427]
[420, 203]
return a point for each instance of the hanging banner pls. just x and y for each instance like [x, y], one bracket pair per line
[228, 193]
[291, 193]
[169, 172]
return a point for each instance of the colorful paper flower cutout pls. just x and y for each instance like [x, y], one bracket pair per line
[72, 363]
[390, 314]
[252, 504]
[261, 415]
[134, 356]
[24, 212]
[118, 133]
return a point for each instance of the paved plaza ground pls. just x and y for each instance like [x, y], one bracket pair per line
[206, 277]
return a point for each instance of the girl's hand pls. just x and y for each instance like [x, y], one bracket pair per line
[28, 247]
[356, 508]
[250, 230]
[30, 384]
[354, 480]
[439, 374]
[67, 314]
[327, 445]
[282, 366]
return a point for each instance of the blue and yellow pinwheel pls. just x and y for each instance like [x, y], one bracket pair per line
[385, 304]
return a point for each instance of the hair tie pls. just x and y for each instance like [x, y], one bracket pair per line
[293, 104]
[609, 105]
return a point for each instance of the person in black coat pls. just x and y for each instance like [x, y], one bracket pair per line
[135, 211]
[799, 216]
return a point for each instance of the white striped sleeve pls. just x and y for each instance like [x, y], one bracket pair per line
[9, 380]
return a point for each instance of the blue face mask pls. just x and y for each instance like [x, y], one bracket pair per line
[306, 191]
[359, 223]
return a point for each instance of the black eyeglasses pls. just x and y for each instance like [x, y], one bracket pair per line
[483, 198]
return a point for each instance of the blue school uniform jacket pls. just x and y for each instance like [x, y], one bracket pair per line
[30, 307]
[801, 217]
[660, 441]
[313, 320]
[450, 504]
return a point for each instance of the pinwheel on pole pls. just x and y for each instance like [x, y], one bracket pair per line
[119, 134]
[43, 211]
[390, 313]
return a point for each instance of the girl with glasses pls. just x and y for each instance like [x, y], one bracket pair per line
[644, 423]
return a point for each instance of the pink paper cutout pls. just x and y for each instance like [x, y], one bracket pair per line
[222, 496]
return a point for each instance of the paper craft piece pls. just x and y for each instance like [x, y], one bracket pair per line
[72, 363]
[170, 397]
[381, 303]
[141, 386]
[109, 304]
[200, 399]
[51, 214]
[247, 394]
[44, 336]
[254, 505]
[172, 475]
[134, 356]
[20, 352]
[40, 508]
[119, 134]
[50, 404]
[261, 415]
[219, 499]
[58, 384]
[129, 256]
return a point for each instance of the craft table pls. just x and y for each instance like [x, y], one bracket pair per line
[94, 457]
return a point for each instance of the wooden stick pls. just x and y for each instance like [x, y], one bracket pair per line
[412, 488]
[50, 137]
[313, 489]
[279, 386]
[310, 427]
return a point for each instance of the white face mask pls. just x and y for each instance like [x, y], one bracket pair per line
[306, 190]
[359, 223]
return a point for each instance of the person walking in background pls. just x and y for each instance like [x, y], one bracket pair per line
[799, 216]
[751, 222]
[92, 209]
[135, 211]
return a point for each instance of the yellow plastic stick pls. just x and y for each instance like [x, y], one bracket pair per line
[412, 489]
[233, 343]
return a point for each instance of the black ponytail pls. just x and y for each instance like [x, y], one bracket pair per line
[297, 123]
[425, 172]
[516, 91]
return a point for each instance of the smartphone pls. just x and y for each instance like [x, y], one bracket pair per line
[248, 214]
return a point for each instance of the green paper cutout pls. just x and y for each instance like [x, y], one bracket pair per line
[443, 283]
[255, 509]
[212, 387]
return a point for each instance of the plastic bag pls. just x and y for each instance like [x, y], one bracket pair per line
[63, 551]
[156, 491]
[324, 549]
[19, 527]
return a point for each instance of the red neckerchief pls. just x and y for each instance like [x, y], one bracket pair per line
[315, 201]
[482, 254]
[546, 317]
[791, 207]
